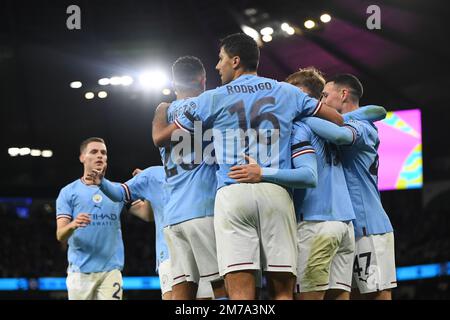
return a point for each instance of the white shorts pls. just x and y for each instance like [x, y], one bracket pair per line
[255, 228]
[205, 289]
[165, 279]
[326, 252]
[374, 266]
[192, 249]
[165, 276]
[95, 286]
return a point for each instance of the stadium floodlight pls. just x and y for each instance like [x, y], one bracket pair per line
[154, 79]
[290, 31]
[24, 151]
[115, 81]
[89, 95]
[251, 32]
[267, 31]
[285, 26]
[267, 38]
[309, 24]
[166, 92]
[325, 18]
[47, 153]
[76, 84]
[35, 152]
[103, 81]
[126, 80]
[13, 152]
[102, 94]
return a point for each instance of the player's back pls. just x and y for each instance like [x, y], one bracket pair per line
[151, 185]
[261, 107]
[190, 185]
[361, 171]
[98, 246]
[330, 200]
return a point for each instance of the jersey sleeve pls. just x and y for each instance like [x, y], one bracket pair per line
[136, 187]
[370, 113]
[360, 133]
[198, 109]
[306, 106]
[330, 131]
[64, 205]
[300, 140]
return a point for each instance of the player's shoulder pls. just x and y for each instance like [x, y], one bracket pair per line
[72, 185]
[301, 125]
[70, 188]
[301, 129]
[361, 125]
[155, 172]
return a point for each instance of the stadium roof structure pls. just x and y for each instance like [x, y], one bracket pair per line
[402, 65]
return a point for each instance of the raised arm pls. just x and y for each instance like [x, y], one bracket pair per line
[329, 114]
[329, 131]
[161, 129]
[370, 113]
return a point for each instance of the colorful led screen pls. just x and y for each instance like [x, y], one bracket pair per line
[400, 150]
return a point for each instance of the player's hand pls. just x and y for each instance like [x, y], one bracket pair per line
[81, 221]
[96, 176]
[246, 173]
[136, 171]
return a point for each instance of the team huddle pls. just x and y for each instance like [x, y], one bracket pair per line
[263, 184]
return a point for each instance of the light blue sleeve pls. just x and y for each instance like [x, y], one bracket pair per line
[138, 187]
[304, 175]
[199, 110]
[330, 131]
[370, 113]
[114, 191]
[63, 204]
[306, 106]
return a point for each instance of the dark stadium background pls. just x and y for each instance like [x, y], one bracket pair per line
[402, 66]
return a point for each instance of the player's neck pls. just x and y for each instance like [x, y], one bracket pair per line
[188, 94]
[348, 107]
[241, 72]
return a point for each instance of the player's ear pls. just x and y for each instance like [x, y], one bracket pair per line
[344, 95]
[236, 62]
[81, 158]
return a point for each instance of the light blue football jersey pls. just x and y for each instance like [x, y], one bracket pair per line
[265, 106]
[330, 200]
[97, 247]
[150, 185]
[191, 185]
[361, 171]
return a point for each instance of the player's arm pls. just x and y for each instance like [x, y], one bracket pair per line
[304, 175]
[370, 113]
[329, 114]
[161, 129]
[65, 227]
[331, 132]
[142, 209]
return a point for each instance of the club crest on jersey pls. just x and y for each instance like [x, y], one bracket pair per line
[97, 198]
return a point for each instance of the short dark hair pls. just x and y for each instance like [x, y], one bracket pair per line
[350, 81]
[310, 78]
[85, 143]
[186, 71]
[243, 46]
